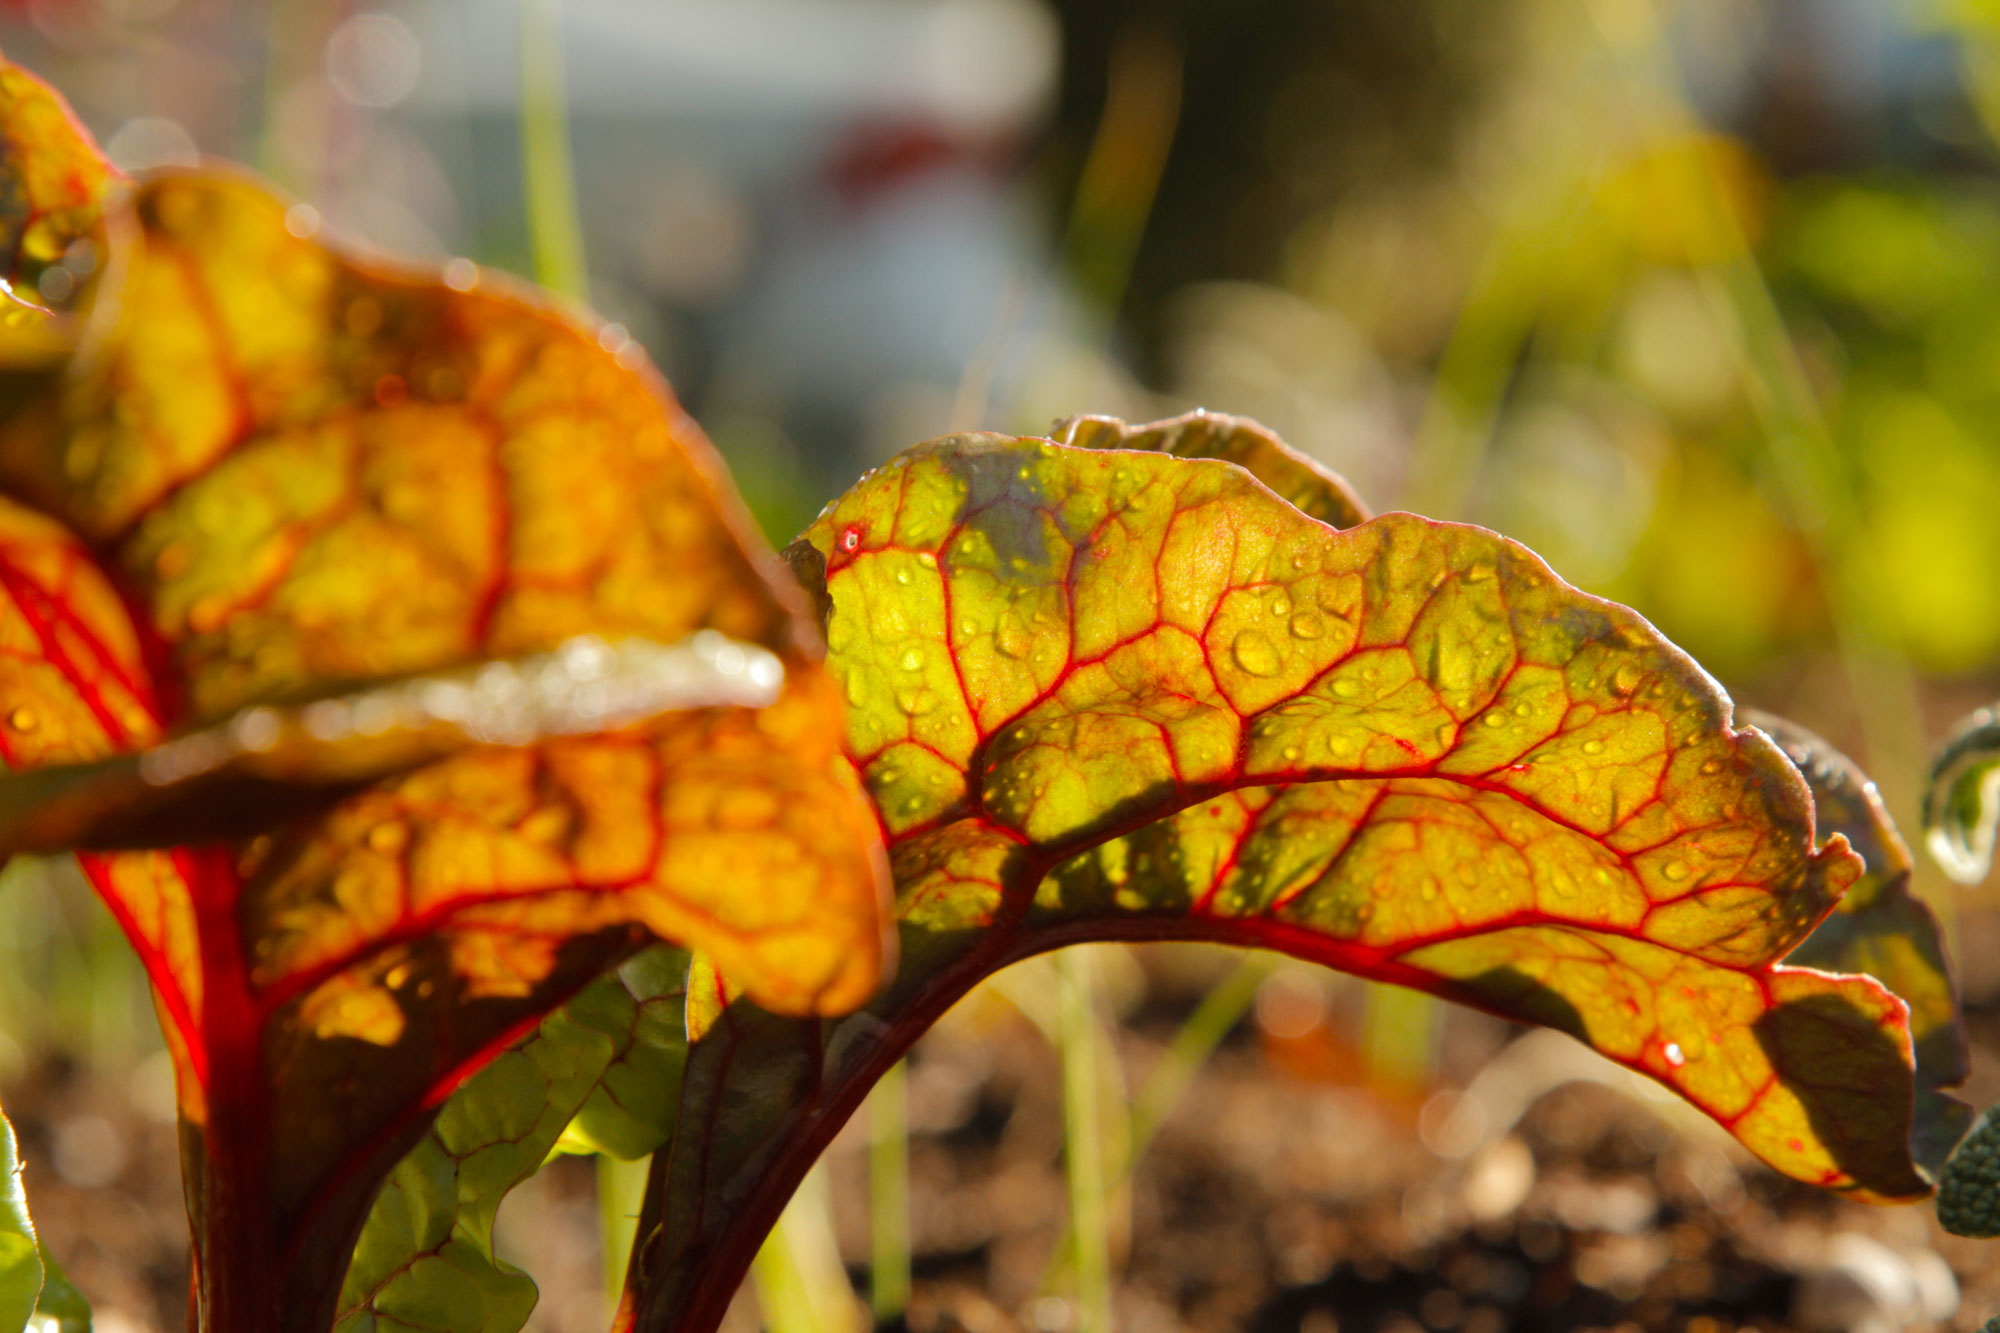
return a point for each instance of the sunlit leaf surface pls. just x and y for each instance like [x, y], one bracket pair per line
[1126, 695]
[363, 521]
[20, 1255]
[1882, 929]
[51, 197]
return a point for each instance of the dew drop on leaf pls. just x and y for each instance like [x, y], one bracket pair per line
[1254, 653]
[1675, 870]
[1012, 636]
[1593, 747]
[1306, 625]
[23, 719]
[1626, 678]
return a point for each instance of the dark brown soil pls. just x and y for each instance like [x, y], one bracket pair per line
[1285, 1192]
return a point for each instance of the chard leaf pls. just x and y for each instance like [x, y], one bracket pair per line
[425, 1261]
[321, 484]
[1130, 695]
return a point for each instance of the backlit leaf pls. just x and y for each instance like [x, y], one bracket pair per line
[51, 198]
[1124, 695]
[20, 1254]
[1884, 930]
[426, 1260]
[330, 488]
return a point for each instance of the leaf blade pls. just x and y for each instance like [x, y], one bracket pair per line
[1463, 775]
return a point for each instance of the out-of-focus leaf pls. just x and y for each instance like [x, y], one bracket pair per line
[1312, 488]
[52, 193]
[60, 1300]
[1968, 1200]
[317, 478]
[1124, 695]
[425, 1261]
[1883, 930]
[314, 470]
[20, 1253]
[1962, 802]
[244, 775]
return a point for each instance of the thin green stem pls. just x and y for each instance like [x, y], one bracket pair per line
[1191, 1047]
[800, 1283]
[1083, 1135]
[889, 1195]
[621, 1190]
[554, 233]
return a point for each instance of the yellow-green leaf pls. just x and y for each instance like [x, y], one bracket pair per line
[1128, 695]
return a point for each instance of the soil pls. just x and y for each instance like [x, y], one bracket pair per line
[1521, 1184]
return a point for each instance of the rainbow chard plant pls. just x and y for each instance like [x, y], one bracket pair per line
[392, 651]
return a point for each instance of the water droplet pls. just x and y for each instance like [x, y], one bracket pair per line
[1672, 1052]
[903, 576]
[1012, 636]
[1496, 720]
[1593, 747]
[887, 776]
[1521, 709]
[1291, 754]
[1626, 678]
[1279, 604]
[23, 719]
[1345, 687]
[1479, 573]
[1255, 654]
[856, 691]
[916, 703]
[1306, 625]
[912, 660]
[1675, 870]
[1711, 767]
[1327, 597]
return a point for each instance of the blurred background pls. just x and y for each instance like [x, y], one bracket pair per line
[1699, 298]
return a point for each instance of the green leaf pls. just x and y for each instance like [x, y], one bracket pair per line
[20, 1254]
[60, 1300]
[1136, 695]
[598, 1075]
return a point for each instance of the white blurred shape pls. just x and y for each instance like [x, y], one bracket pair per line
[88, 1151]
[149, 142]
[373, 60]
[1860, 1286]
[971, 65]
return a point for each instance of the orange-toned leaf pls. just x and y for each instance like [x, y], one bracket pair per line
[347, 504]
[52, 194]
[313, 469]
[1127, 695]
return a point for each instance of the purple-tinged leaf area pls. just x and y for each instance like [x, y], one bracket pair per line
[1883, 929]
